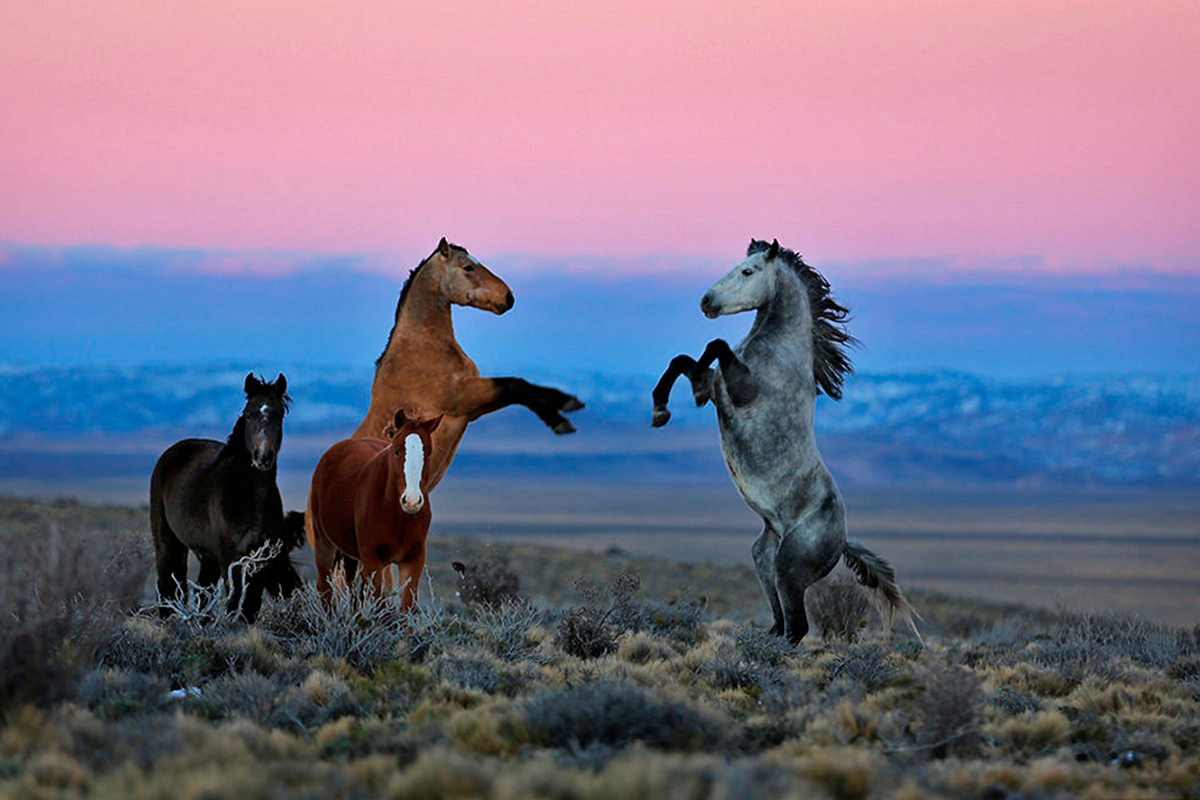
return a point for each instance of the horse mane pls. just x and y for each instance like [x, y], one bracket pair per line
[236, 443]
[404, 296]
[830, 339]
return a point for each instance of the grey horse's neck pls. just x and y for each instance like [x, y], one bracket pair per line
[785, 319]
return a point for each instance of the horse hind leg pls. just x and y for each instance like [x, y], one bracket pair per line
[764, 565]
[170, 554]
[800, 562]
[324, 554]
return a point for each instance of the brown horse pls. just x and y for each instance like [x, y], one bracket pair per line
[368, 503]
[424, 367]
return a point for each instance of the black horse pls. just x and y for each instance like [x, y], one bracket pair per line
[220, 501]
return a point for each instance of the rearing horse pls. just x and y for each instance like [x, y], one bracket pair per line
[765, 390]
[424, 368]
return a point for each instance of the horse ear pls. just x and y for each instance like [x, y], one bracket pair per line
[399, 419]
[252, 383]
[281, 384]
[431, 425]
[773, 250]
[444, 248]
[389, 430]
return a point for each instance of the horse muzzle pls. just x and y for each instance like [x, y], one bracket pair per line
[410, 505]
[263, 461]
[710, 307]
[500, 308]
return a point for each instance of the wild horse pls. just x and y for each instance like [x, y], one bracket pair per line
[368, 503]
[220, 501]
[423, 368]
[765, 391]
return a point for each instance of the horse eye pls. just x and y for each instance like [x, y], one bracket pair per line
[747, 272]
[468, 268]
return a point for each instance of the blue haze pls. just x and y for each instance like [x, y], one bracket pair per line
[103, 306]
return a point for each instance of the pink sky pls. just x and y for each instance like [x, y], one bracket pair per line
[851, 131]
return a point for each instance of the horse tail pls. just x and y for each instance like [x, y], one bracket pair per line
[877, 574]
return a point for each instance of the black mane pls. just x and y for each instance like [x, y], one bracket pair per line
[830, 339]
[404, 295]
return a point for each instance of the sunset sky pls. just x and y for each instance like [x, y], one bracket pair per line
[1061, 135]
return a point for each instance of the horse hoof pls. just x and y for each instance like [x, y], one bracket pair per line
[564, 427]
[572, 404]
[660, 417]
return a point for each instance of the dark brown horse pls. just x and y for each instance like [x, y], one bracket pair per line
[220, 501]
[368, 502]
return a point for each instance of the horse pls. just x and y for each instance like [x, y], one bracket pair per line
[422, 365]
[368, 503]
[220, 501]
[765, 390]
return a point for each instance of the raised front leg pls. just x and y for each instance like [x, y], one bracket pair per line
[738, 380]
[700, 378]
[479, 396]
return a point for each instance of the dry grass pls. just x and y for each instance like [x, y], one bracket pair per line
[679, 697]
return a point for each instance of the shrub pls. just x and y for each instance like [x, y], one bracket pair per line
[501, 630]
[760, 646]
[869, 664]
[838, 608]
[591, 629]
[615, 715]
[949, 709]
[489, 581]
[62, 595]
[356, 625]
[681, 618]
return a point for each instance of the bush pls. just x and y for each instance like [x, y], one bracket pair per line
[62, 595]
[357, 625]
[490, 581]
[681, 618]
[837, 608]
[591, 630]
[949, 709]
[763, 647]
[869, 664]
[615, 715]
[501, 630]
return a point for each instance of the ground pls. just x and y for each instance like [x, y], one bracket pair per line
[649, 678]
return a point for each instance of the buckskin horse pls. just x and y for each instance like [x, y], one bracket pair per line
[765, 390]
[369, 503]
[220, 500]
[423, 367]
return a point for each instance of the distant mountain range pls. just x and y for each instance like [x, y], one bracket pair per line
[942, 428]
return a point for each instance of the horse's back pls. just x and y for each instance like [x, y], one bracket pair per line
[178, 466]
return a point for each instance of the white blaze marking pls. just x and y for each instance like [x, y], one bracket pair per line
[414, 459]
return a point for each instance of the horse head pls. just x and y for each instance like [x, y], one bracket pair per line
[464, 281]
[262, 419]
[411, 445]
[749, 285]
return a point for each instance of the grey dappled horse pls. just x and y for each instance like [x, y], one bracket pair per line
[765, 390]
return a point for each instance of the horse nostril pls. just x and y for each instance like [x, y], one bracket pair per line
[508, 298]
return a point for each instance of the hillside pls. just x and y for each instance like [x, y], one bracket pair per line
[653, 681]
